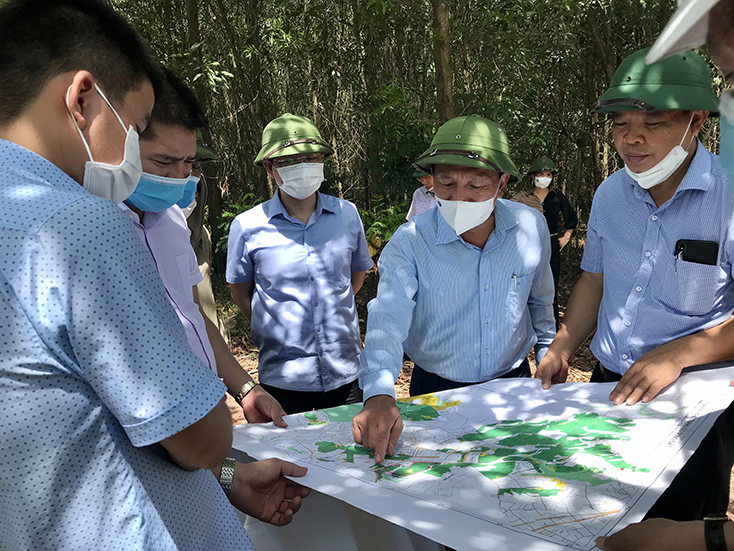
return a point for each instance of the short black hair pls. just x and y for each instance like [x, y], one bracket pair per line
[41, 39]
[175, 105]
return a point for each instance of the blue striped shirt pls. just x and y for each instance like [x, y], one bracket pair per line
[650, 296]
[464, 313]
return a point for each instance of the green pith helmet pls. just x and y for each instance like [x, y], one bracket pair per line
[291, 135]
[544, 164]
[203, 153]
[471, 141]
[420, 173]
[680, 82]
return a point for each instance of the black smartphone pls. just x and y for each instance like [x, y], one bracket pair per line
[700, 252]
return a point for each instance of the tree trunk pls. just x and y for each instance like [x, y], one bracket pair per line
[442, 59]
[214, 195]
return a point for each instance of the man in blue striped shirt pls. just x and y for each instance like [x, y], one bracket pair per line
[657, 269]
[465, 289]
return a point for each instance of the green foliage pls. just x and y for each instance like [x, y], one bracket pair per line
[382, 220]
[230, 211]
[365, 73]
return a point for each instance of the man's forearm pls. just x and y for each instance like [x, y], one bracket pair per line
[581, 315]
[242, 297]
[228, 368]
[712, 345]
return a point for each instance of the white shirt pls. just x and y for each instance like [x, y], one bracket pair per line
[166, 236]
[422, 201]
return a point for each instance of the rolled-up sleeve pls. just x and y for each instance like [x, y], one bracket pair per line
[102, 295]
[388, 323]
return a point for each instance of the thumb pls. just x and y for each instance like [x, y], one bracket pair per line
[545, 375]
[291, 469]
[277, 416]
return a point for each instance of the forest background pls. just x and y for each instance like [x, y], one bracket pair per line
[379, 76]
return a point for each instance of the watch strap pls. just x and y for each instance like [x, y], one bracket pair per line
[714, 532]
[244, 391]
[227, 475]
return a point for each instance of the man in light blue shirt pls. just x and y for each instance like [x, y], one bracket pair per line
[294, 264]
[465, 289]
[657, 279]
[109, 420]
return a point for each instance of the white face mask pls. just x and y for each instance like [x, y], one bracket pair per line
[188, 210]
[665, 168]
[302, 180]
[463, 216]
[114, 182]
[542, 181]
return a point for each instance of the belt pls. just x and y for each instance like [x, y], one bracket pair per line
[609, 375]
[554, 235]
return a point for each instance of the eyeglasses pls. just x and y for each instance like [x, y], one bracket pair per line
[290, 161]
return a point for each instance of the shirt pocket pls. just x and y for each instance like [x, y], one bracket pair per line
[697, 285]
[338, 264]
[517, 299]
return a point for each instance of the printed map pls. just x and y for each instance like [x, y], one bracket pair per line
[561, 471]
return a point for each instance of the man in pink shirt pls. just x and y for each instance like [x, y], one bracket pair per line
[168, 149]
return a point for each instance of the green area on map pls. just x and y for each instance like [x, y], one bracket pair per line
[504, 446]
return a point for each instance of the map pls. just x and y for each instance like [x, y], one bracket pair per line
[505, 457]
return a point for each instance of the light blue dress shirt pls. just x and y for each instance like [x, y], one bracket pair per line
[464, 313]
[650, 296]
[94, 370]
[304, 318]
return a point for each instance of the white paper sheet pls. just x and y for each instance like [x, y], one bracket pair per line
[505, 465]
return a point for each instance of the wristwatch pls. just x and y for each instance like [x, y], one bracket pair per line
[227, 474]
[714, 532]
[244, 391]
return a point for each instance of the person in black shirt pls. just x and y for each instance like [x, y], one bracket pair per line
[551, 202]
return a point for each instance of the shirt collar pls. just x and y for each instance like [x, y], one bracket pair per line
[504, 220]
[149, 220]
[698, 175]
[16, 158]
[275, 207]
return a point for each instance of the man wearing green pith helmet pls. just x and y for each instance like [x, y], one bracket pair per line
[294, 264]
[465, 288]
[657, 281]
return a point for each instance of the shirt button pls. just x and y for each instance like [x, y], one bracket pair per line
[486, 287]
[654, 217]
[624, 356]
[486, 351]
[648, 254]
[486, 320]
[316, 304]
[312, 279]
[628, 323]
[638, 288]
[318, 329]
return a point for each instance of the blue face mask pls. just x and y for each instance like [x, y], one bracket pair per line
[157, 193]
[189, 192]
[726, 144]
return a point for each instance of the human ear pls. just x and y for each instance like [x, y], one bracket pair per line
[699, 117]
[81, 98]
[503, 184]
